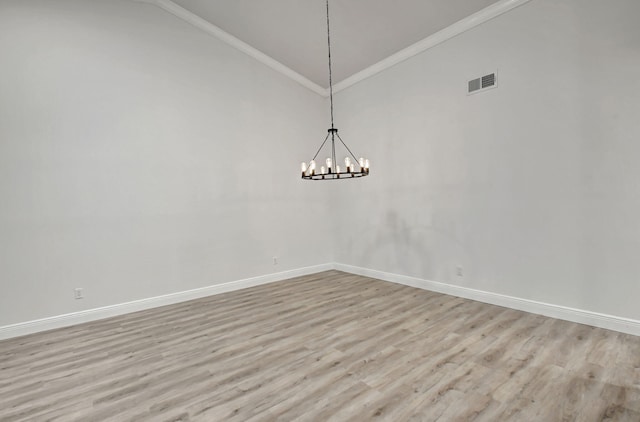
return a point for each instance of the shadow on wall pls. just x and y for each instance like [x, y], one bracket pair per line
[414, 249]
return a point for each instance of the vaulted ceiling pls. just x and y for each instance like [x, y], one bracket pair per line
[363, 32]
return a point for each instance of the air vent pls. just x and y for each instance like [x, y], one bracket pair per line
[488, 80]
[474, 85]
[482, 83]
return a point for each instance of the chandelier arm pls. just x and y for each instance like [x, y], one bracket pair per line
[345, 145]
[320, 149]
[330, 76]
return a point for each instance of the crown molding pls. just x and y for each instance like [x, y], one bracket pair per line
[211, 29]
[431, 41]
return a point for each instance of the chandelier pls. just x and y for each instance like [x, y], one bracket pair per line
[358, 167]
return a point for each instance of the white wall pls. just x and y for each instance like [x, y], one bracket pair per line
[140, 156]
[533, 187]
[127, 136]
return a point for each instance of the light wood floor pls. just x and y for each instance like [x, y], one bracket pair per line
[330, 346]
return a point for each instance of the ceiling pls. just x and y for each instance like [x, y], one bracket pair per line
[363, 32]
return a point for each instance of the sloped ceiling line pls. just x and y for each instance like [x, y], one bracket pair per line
[224, 36]
[439, 37]
[431, 41]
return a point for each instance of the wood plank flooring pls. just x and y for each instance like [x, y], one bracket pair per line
[330, 346]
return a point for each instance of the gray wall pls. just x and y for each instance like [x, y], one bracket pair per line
[533, 187]
[140, 157]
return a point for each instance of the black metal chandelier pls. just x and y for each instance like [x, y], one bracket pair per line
[359, 167]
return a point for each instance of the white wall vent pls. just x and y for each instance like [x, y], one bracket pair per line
[483, 83]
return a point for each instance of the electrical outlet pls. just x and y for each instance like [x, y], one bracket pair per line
[275, 260]
[459, 270]
[77, 293]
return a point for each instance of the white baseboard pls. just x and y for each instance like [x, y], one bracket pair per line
[595, 319]
[59, 321]
[623, 325]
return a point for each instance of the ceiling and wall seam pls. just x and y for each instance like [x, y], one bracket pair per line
[433, 40]
[211, 29]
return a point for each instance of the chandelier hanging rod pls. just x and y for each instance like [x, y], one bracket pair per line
[330, 74]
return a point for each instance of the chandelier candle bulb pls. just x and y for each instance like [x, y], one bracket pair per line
[337, 169]
[347, 162]
[329, 164]
[352, 168]
[312, 167]
[366, 165]
[323, 170]
[304, 168]
[361, 162]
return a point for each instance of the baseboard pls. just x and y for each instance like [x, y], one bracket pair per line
[623, 325]
[59, 321]
[595, 319]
